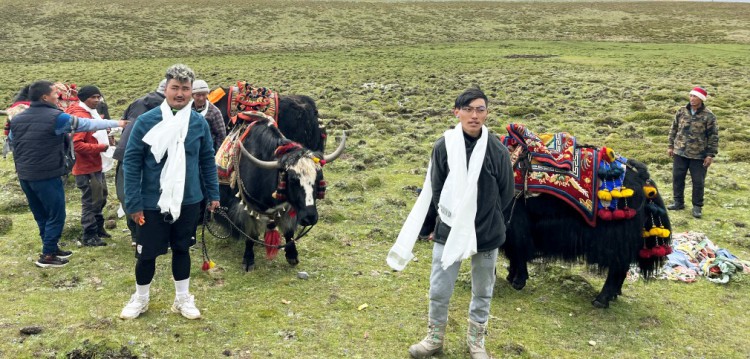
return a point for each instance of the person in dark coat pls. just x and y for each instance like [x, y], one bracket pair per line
[135, 109]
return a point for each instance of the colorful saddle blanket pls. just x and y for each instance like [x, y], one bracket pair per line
[245, 97]
[558, 168]
[227, 156]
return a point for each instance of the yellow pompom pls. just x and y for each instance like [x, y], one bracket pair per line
[626, 192]
[610, 155]
[211, 264]
[645, 234]
[616, 193]
[665, 232]
[316, 160]
[649, 191]
[656, 231]
[604, 195]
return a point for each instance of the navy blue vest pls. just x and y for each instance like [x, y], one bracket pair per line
[38, 152]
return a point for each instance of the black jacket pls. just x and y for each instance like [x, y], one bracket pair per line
[137, 108]
[496, 190]
[38, 152]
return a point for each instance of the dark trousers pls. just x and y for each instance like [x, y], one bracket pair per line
[120, 189]
[681, 166]
[47, 203]
[93, 198]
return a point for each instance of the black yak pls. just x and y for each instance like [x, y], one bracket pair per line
[277, 184]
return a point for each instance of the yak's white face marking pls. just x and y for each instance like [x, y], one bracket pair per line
[306, 168]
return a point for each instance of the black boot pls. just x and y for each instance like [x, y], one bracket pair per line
[697, 212]
[101, 233]
[676, 206]
[92, 241]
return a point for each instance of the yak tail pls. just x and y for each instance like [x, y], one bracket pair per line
[657, 233]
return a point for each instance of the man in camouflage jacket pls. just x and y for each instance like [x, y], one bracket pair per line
[693, 143]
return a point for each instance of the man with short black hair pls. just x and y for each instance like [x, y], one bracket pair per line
[470, 183]
[168, 159]
[39, 135]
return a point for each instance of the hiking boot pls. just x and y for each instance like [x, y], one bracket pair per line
[697, 212]
[676, 206]
[50, 261]
[475, 335]
[63, 254]
[185, 305]
[138, 304]
[431, 344]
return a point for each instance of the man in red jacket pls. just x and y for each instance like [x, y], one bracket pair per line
[88, 168]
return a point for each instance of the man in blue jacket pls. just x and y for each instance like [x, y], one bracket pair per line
[39, 136]
[169, 155]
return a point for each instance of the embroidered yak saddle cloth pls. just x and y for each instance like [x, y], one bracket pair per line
[228, 155]
[553, 164]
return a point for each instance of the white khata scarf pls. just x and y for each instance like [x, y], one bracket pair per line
[457, 206]
[168, 137]
[102, 137]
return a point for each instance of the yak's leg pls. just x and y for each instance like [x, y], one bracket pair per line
[248, 259]
[290, 250]
[518, 271]
[611, 289]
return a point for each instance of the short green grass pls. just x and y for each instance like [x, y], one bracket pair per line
[610, 73]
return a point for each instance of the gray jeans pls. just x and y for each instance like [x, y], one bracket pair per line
[442, 283]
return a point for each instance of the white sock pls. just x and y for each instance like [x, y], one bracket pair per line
[142, 290]
[182, 286]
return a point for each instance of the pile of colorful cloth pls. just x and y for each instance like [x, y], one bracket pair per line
[694, 255]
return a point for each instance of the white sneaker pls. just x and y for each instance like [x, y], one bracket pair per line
[137, 305]
[185, 305]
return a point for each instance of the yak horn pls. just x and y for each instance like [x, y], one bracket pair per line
[339, 150]
[269, 165]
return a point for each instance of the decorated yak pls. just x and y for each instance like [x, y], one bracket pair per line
[579, 202]
[296, 115]
[271, 184]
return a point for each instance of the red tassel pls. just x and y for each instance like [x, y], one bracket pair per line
[206, 266]
[618, 214]
[644, 253]
[292, 213]
[322, 163]
[605, 214]
[668, 250]
[659, 251]
[272, 239]
[629, 212]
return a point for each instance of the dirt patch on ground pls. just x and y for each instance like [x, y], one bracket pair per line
[90, 350]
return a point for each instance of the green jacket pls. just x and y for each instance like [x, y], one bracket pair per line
[694, 136]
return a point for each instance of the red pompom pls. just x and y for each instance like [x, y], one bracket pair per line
[668, 250]
[322, 163]
[205, 266]
[659, 251]
[644, 253]
[618, 214]
[605, 214]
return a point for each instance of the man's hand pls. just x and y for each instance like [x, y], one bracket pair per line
[138, 218]
[670, 152]
[212, 206]
[122, 123]
[708, 161]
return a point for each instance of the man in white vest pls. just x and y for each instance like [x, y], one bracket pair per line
[471, 182]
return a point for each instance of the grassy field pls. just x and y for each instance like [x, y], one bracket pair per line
[610, 73]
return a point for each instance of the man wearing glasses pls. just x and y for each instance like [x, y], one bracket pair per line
[472, 182]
